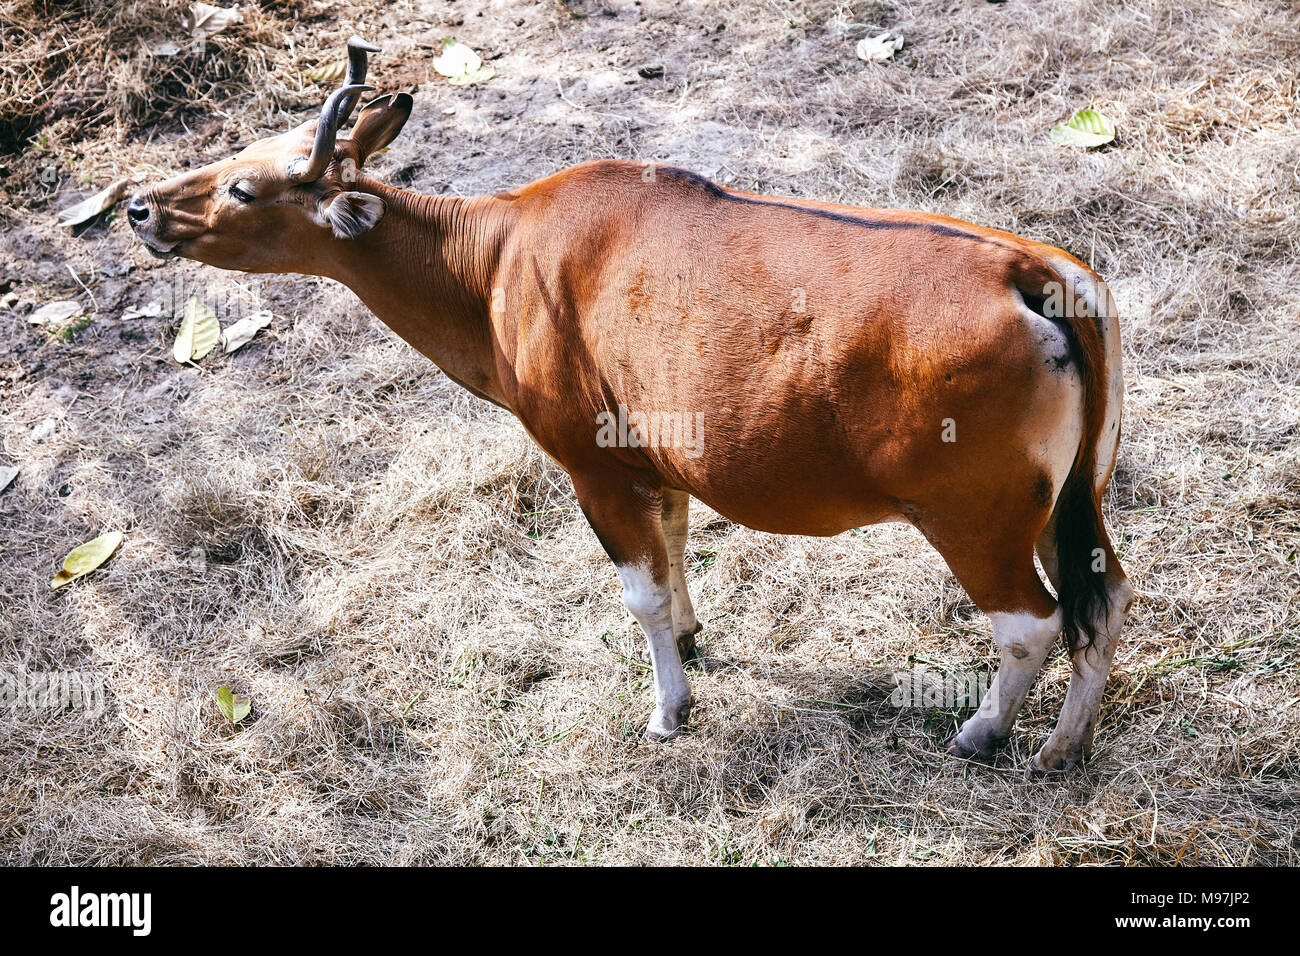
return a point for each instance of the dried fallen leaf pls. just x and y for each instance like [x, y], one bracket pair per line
[90, 208]
[241, 333]
[45, 430]
[461, 65]
[234, 707]
[85, 558]
[880, 47]
[1086, 129]
[55, 313]
[199, 332]
[205, 20]
[328, 73]
[150, 311]
[7, 475]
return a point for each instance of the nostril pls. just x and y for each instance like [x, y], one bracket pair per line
[137, 210]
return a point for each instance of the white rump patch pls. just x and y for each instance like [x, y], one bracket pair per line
[1054, 443]
[1096, 295]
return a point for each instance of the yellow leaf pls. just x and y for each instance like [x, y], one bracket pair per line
[83, 559]
[199, 333]
[461, 65]
[327, 72]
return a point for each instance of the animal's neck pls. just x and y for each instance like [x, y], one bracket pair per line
[427, 270]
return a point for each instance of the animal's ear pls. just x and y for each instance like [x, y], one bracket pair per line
[380, 122]
[351, 214]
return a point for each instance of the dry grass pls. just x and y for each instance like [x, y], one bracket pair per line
[440, 665]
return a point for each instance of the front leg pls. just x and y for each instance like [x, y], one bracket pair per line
[676, 523]
[626, 514]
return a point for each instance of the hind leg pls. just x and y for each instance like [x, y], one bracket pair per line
[1071, 742]
[1024, 641]
[1024, 635]
[996, 567]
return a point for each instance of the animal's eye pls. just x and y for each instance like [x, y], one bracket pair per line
[241, 195]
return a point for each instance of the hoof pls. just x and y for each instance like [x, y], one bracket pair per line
[667, 722]
[969, 749]
[1043, 763]
[959, 749]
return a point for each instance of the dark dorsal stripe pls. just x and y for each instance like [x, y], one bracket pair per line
[718, 192]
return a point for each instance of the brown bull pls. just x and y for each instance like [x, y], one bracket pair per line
[800, 367]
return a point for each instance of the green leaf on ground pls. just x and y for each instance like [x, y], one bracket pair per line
[234, 707]
[1086, 129]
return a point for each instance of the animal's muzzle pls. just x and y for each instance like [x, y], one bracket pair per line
[142, 215]
[138, 211]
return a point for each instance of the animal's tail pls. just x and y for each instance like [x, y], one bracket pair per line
[1083, 549]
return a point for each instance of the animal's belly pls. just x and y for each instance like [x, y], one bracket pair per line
[802, 496]
[797, 518]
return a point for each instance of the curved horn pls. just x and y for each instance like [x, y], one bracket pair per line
[357, 50]
[310, 168]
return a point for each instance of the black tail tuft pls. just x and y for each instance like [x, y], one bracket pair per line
[1083, 556]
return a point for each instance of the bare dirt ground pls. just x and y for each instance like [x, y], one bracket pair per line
[439, 661]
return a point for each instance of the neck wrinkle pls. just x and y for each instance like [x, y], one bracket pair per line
[427, 271]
